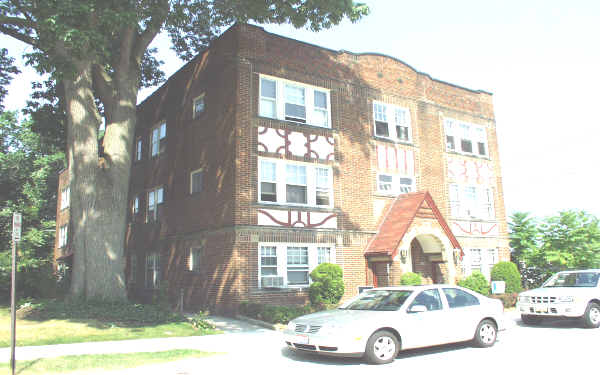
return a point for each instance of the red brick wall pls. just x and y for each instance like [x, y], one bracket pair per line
[224, 142]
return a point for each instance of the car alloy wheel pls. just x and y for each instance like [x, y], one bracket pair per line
[485, 336]
[382, 347]
[591, 318]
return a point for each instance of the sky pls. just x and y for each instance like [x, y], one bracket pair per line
[540, 59]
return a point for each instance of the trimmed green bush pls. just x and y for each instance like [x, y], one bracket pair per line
[509, 273]
[410, 278]
[327, 286]
[272, 313]
[476, 282]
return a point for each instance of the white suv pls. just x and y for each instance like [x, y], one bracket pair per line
[569, 294]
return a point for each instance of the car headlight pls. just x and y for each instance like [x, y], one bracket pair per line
[291, 326]
[566, 299]
[524, 299]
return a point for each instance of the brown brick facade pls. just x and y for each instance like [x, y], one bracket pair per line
[224, 218]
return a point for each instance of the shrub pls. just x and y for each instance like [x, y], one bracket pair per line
[327, 286]
[508, 299]
[476, 282]
[199, 321]
[410, 278]
[509, 273]
[120, 313]
[272, 313]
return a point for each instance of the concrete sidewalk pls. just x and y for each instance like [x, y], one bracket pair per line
[236, 335]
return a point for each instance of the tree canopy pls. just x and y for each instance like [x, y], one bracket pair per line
[97, 51]
[569, 240]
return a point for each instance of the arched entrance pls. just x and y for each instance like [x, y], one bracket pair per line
[426, 254]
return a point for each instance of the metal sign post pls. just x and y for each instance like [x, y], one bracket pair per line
[16, 237]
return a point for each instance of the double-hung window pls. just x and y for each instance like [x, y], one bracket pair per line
[198, 106]
[138, 149]
[392, 122]
[196, 181]
[132, 268]
[62, 236]
[153, 270]
[65, 198]
[268, 181]
[294, 183]
[465, 138]
[194, 259]
[158, 137]
[297, 265]
[289, 264]
[324, 255]
[135, 208]
[475, 260]
[390, 184]
[155, 201]
[467, 201]
[323, 186]
[294, 101]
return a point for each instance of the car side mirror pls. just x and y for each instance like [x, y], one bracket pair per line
[417, 309]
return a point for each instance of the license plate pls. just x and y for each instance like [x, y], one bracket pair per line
[301, 339]
[541, 309]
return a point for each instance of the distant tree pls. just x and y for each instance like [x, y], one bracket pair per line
[524, 241]
[99, 51]
[29, 167]
[7, 70]
[569, 240]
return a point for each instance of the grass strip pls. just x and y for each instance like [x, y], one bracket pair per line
[99, 362]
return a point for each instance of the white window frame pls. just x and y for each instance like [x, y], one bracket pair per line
[199, 98]
[281, 255]
[152, 273]
[313, 114]
[264, 178]
[396, 186]
[457, 132]
[388, 113]
[138, 148]
[281, 182]
[63, 236]
[65, 198]
[488, 257]
[135, 207]
[200, 188]
[194, 258]
[155, 198]
[471, 201]
[157, 136]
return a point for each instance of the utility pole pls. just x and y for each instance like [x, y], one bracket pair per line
[16, 237]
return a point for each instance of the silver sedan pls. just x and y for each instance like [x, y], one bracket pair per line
[380, 322]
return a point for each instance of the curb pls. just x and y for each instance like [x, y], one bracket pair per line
[274, 327]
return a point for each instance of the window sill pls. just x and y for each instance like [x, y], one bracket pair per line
[295, 206]
[389, 195]
[393, 141]
[296, 123]
[474, 219]
[475, 156]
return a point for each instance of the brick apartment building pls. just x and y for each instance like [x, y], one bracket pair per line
[265, 156]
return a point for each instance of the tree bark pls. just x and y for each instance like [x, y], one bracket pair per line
[99, 186]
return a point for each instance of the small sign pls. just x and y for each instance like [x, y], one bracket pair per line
[17, 220]
[498, 287]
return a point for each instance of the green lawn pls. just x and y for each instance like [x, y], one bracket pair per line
[89, 364]
[48, 331]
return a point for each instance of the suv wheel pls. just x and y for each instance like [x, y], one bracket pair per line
[591, 318]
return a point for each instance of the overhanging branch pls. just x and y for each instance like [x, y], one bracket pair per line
[25, 38]
[144, 39]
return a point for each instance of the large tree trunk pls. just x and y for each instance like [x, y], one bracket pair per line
[99, 186]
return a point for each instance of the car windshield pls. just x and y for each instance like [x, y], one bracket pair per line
[379, 300]
[573, 279]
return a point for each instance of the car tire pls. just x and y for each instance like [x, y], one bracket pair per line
[531, 320]
[382, 347]
[486, 333]
[591, 318]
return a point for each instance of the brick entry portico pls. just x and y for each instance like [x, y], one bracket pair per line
[413, 237]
